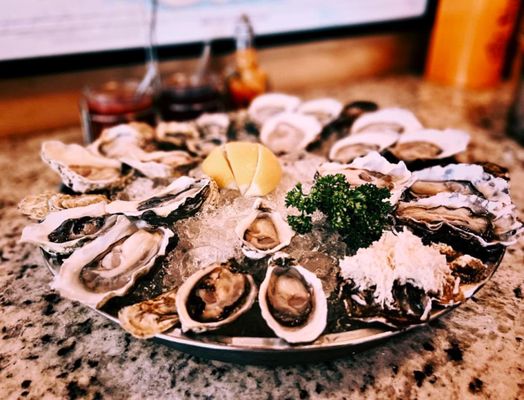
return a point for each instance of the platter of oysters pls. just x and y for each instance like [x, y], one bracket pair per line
[291, 231]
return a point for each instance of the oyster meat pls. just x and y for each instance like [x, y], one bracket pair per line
[147, 318]
[213, 297]
[182, 198]
[263, 232]
[354, 146]
[81, 170]
[387, 119]
[324, 110]
[110, 265]
[289, 132]
[125, 140]
[374, 169]
[176, 134]
[268, 105]
[430, 144]
[292, 301]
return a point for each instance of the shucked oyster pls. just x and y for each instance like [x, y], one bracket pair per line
[110, 265]
[324, 110]
[80, 169]
[387, 119]
[147, 318]
[292, 301]
[354, 146]
[430, 144]
[176, 134]
[62, 232]
[182, 198]
[466, 179]
[467, 216]
[38, 206]
[374, 169]
[268, 105]
[263, 232]
[214, 297]
[124, 140]
[289, 132]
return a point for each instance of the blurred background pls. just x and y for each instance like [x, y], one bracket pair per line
[173, 59]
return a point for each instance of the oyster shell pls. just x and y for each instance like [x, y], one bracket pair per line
[38, 206]
[467, 179]
[354, 146]
[161, 164]
[289, 132]
[468, 216]
[176, 134]
[430, 144]
[81, 170]
[375, 169]
[268, 105]
[111, 264]
[292, 301]
[389, 119]
[182, 198]
[324, 110]
[147, 318]
[263, 232]
[213, 297]
[62, 232]
[213, 129]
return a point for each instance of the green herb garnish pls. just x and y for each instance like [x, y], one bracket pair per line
[358, 214]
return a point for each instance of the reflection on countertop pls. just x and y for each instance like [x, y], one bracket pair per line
[53, 348]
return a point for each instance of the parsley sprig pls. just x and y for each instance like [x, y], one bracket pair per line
[359, 214]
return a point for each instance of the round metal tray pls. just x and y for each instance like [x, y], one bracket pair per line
[266, 350]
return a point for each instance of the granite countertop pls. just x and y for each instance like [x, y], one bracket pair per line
[54, 348]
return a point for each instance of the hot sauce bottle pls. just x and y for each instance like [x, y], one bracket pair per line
[248, 80]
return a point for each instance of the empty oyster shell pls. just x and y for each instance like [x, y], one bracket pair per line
[354, 146]
[38, 206]
[213, 297]
[430, 144]
[147, 318]
[466, 179]
[375, 169]
[289, 132]
[324, 110]
[389, 119]
[292, 301]
[81, 170]
[263, 232]
[111, 264]
[182, 198]
[268, 105]
[469, 216]
[62, 232]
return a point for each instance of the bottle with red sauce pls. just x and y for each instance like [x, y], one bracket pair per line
[113, 103]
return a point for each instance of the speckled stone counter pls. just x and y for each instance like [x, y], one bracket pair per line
[54, 348]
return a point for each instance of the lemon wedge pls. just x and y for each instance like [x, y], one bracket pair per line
[249, 167]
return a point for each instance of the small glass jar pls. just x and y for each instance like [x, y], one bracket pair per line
[113, 103]
[184, 97]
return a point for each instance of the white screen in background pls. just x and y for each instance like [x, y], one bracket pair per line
[34, 28]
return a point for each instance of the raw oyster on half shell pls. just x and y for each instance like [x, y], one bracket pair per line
[147, 318]
[289, 132]
[324, 110]
[292, 301]
[81, 170]
[110, 265]
[263, 232]
[430, 144]
[182, 198]
[387, 119]
[38, 206]
[213, 297]
[176, 134]
[374, 169]
[268, 105]
[354, 146]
